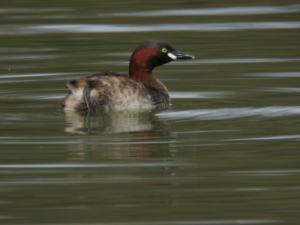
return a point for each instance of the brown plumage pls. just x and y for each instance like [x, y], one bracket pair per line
[139, 91]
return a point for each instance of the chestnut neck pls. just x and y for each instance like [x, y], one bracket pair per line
[141, 66]
[140, 72]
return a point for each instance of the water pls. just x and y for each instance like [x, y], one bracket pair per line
[226, 152]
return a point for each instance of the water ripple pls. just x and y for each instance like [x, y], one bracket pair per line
[276, 74]
[27, 57]
[187, 222]
[230, 113]
[237, 10]
[278, 137]
[33, 10]
[236, 61]
[91, 165]
[121, 28]
[30, 75]
[290, 90]
[277, 172]
[197, 94]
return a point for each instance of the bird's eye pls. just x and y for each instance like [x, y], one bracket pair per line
[164, 50]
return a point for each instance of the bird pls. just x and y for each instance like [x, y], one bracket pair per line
[140, 90]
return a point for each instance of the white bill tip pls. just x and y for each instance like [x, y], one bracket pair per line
[172, 56]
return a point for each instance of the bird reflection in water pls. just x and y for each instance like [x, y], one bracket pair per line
[119, 135]
[129, 150]
[113, 122]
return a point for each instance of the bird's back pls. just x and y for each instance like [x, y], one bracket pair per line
[107, 91]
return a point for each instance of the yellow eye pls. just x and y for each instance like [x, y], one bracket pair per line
[164, 50]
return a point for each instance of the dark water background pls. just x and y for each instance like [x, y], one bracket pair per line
[226, 152]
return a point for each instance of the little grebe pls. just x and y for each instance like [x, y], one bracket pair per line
[139, 91]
